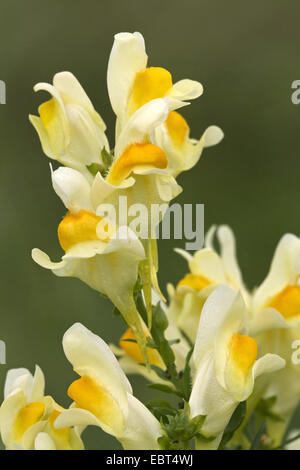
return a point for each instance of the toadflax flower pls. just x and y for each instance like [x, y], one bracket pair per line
[131, 84]
[103, 395]
[226, 362]
[27, 417]
[105, 260]
[208, 269]
[276, 324]
[69, 128]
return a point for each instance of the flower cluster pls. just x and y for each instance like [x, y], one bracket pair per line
[222, 351]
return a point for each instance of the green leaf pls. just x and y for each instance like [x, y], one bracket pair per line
[256, 441]
[187, 376]
[198, 421]
[165, 389]
[235, 422]
[166, 352]
[139, 301]
[131, 340]
[160, 408]
[94, 168]
[185, 336]
[160, 372]
[107, 158]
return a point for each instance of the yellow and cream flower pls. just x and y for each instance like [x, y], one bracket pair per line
[103, 395]
[69, 128]
[226, 362]
[99, 254]
[131, 84]
[27, 416]
[276, 324]
[208, 269]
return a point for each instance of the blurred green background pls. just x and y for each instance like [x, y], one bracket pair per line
[246, 54]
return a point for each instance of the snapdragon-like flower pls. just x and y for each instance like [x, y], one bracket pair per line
[69, 128]
[27, 416]
[226, 362]
[106, 260]
[131, 84]
[208, 269]
[103, 395]
[276, 322]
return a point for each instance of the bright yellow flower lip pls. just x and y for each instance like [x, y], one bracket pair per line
[195, 281]
[91, 396]
[76, 228]
[243, 352]
[287, 302]
[27, 416]
[133, 350]
[134, 156]
[149, 84]
[177, 127]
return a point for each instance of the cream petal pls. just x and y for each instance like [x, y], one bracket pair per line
[267, 364]
[43, 260]
[125, 240]
[212, 136]
[43, 136]
[185, 254]
[209, 398]
[82, 251]
[13, 378]
[38, 385]
[193, 149]
[101, 189]
[268, 319]
[8, 413]
[214, 312]
[228, 253]
[207, 263]
[142, 429]
[76, 417]
[29, 436]
[67, 84]
[59, 139]
[186, 90]
[87, 140]
[44, 442]
[168, 188]
[142, 123]
[234, 321]
[72, 188]
[209, 237]
[128, 56]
